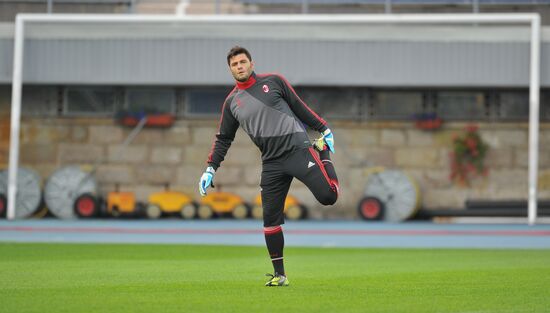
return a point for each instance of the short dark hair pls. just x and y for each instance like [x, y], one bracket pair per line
[236, 51]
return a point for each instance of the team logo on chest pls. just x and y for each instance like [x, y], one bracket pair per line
[265, 88]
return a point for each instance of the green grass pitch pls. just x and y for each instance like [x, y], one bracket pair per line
[182, 278]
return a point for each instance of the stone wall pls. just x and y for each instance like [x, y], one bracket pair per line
[176, 156]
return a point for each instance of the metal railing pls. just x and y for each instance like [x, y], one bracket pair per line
[305, 4]
[388, 4]
[50, 3]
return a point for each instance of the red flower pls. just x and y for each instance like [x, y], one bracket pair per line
[467, 156]
[471, 143]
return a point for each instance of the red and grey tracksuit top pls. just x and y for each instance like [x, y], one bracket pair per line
[270, 112]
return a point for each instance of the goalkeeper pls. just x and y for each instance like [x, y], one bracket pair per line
[271, 113]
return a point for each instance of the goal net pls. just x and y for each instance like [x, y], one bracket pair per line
[116, 50]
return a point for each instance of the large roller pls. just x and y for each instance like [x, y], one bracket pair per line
[29, 193]
[64, 187]
[392, 192]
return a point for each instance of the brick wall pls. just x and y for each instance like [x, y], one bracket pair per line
[176, 156]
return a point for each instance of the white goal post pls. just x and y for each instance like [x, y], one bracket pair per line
[530, 19]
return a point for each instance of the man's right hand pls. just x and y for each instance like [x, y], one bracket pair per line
[206, 180]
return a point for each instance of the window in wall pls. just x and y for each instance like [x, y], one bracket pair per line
[40, 100]
[512, 105]
[545, 105]
[462, 105]
[205, 102]
[336, 103]
[151, 100]
[397, 105]
[5, 100]
[90, 101]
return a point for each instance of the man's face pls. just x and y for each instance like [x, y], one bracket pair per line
[241, 67]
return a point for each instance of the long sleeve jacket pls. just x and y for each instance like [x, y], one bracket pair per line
[270, 112]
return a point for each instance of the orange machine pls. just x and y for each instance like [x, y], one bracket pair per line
[222, 203]
[122, 203]
[293, 209]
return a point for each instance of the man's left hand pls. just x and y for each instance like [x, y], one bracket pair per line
[328, 137]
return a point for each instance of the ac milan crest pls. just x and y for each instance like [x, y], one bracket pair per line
[265, 88]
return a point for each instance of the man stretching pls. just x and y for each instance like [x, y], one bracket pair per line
[271, 113]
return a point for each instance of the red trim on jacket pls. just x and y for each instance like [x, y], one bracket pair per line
[323, 170]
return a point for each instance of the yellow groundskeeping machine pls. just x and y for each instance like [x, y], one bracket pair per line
[169, 203]
[123, 203]
[222, 204]
[293, 209]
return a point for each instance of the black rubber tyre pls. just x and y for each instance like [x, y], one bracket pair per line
[371, 209]
[115, 212]
[86, 206]
[305, 212]
[3, 206]
[141, 210]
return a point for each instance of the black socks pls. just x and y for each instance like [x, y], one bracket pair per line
[275, 242]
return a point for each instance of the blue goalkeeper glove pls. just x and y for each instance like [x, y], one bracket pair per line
[328, 137]
[206, 180]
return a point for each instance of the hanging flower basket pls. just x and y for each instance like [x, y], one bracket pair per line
[428, 121]
[468, 156]
[131, 119]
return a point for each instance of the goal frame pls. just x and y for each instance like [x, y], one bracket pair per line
[531, 19]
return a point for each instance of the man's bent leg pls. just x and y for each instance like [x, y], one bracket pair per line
[324, 156]
[307, 166]
[321, 147]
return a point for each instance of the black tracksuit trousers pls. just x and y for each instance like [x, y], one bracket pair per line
[277, 175]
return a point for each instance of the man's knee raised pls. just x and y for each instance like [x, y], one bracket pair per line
[328, 198]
